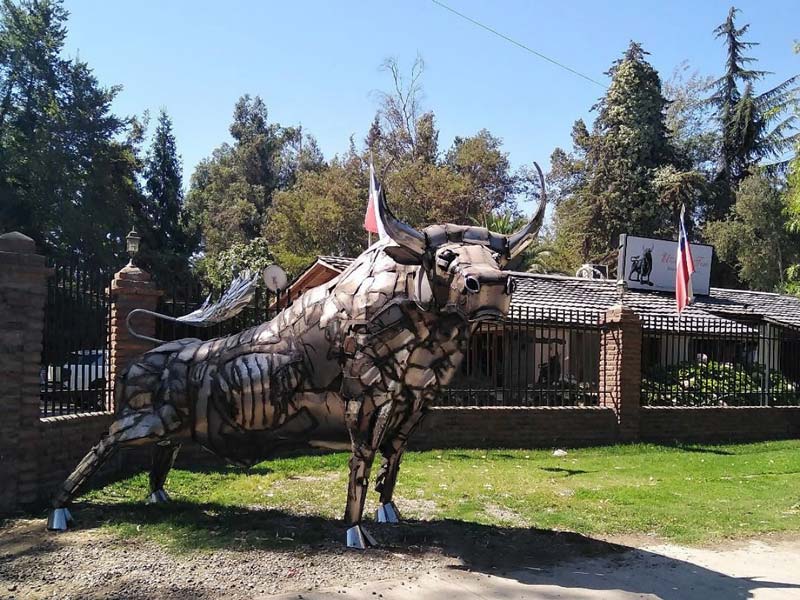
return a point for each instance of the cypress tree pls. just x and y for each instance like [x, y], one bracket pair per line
[624, 176]
[627, 146]
[167, 243]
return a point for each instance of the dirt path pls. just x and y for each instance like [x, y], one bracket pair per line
[753, 570]
[417, 560]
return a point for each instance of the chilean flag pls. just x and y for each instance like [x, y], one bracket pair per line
[685, 268]
[371, 222]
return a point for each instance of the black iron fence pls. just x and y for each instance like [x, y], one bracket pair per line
[535, 357]
[74, 376]
[719, 362]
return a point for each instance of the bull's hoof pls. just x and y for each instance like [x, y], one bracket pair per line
[158, 497]
[58, 519]
[387, 513]
[359, 538]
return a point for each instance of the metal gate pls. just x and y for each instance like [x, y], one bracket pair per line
[75, 374]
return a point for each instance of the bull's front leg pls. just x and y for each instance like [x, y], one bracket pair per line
[392, 449]
[366, 425]
[368, 411]
[431, 366]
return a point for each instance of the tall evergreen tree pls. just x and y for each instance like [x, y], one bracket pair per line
[625, 175]
[67, 164]
[754, 126]
[167, 241]
[164, 183]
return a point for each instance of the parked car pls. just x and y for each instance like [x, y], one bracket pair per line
[85, 370]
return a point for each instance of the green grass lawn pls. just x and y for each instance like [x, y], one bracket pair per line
[693, 494]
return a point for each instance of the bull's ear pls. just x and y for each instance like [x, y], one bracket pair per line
[403, 256]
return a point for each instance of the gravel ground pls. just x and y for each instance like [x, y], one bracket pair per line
[95, 563]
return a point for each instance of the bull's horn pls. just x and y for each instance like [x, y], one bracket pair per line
[517, 242]
[404, 235]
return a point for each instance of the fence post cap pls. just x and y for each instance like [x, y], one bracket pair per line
[15, 241]
[133, 281]
[620, 312]
[132, 273]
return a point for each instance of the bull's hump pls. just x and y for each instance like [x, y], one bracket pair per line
[370, 283]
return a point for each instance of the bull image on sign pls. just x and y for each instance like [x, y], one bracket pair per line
[360, 356]
[642, 266]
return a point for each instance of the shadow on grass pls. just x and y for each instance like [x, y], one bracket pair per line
[219, 467]
[531, 556]
[702, 449]
[567, 472]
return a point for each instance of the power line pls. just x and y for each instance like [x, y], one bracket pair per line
[516, 43]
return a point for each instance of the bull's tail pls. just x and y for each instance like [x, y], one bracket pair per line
[238, 295]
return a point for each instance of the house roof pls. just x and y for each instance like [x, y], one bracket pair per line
[580, 298]
[725, 310]
[338, 263]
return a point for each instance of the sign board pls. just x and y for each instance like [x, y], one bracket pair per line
[649, 264]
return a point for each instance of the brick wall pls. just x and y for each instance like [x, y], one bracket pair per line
[740, 424]
[37, 454]
[23, 290]
[511, 427]
[61, 442]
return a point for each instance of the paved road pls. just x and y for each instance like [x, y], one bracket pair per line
[753, 570]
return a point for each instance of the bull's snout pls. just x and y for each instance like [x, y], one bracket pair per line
[472, 284]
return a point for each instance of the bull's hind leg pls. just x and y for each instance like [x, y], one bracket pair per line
[164, 454]
[130, 428]
[94, 459]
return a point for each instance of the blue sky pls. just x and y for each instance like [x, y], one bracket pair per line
[317, 63]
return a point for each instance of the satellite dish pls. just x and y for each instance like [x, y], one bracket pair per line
[275, 278]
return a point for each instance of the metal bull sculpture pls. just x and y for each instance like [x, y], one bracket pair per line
[363, 354]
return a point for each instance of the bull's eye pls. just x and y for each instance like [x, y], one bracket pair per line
[445, 258]
[472, 284]
[511, 286]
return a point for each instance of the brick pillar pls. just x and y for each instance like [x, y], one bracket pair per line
[621, 368]
[23, 293]
[131, 288]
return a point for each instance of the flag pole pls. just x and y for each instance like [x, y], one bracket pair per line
[371, 168]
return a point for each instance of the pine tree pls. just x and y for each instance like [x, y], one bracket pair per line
[753, 126]
[164, 184]
[630, 141]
